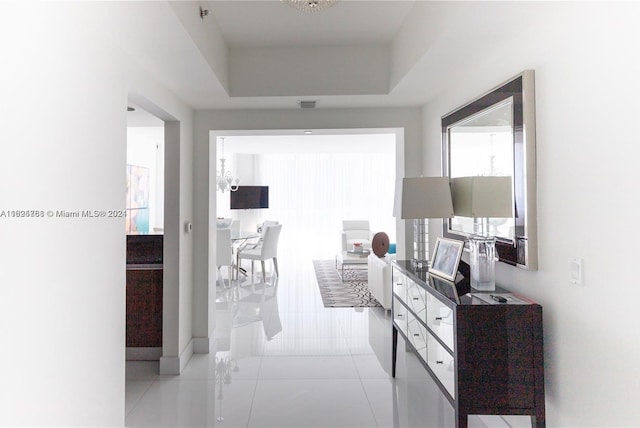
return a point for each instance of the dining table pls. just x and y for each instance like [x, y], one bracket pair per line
[241, 240]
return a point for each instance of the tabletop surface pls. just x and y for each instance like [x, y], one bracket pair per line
[347, 257]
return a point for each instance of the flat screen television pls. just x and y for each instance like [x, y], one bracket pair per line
[250, 197]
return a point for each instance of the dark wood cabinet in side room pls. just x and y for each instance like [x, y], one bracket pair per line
[144, 293]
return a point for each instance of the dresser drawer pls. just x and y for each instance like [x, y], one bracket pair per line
[417, 335]
[400, 315]
[441, 363]
[400, 285]
[416, 300]
[440, 320]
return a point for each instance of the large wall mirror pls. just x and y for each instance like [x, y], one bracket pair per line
[494, 135]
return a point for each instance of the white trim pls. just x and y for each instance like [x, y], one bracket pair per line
[175, 365]
[143, 353]
[170, 366]
[201, 345]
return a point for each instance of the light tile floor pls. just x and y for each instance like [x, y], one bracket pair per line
[284, 360]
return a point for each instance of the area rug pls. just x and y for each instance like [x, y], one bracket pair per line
[352, 293]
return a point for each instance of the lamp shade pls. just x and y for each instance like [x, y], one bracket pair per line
[423, 197]
[488, 197]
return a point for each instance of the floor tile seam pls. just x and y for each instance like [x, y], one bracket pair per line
[308, 379]
[373, 413]
[315, 355]
[255, 390]
[137, 403]
[370, 378]
[361, 379]
[346, 338]
[298, 311]
[308, 336]
[305, 355]
[182, 379]
[311, 378]
[145, 379]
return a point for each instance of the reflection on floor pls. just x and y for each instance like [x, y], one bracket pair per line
[283, 360]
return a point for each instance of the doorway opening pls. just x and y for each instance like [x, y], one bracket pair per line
[315, 181]
[145, 234]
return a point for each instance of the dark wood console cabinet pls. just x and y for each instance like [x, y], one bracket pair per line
[486, 358]
[144, 296]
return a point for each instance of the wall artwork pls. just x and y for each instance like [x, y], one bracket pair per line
[137, 202]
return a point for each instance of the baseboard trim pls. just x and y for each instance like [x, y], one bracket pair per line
[201, 345]
[170, 366]
[173, 366]
[143, 353]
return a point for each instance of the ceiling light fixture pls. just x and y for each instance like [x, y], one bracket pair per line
[203, 13]
[224, 179]
[310, 5]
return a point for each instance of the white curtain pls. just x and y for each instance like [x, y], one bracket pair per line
[310, 194]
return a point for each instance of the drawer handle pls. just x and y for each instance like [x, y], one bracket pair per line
[416, 334]
[416, 298]
[439, 362]
[399, 315]
[438, 318]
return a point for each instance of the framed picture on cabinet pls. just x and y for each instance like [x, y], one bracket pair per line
[446, 257]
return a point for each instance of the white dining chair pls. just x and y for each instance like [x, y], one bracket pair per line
[268, 250]
[265, 225]
[261, 230]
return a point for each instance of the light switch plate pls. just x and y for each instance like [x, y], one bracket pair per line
[576, 271]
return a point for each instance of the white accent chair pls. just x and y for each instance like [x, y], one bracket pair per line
[355, 231]
[268, 250]
[379, 279]
[224, 253]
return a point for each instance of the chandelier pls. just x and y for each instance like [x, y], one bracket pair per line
[224, 179]
[310, 5]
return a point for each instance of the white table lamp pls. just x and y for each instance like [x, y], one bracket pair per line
[419, 198]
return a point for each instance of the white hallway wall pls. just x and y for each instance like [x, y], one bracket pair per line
[62, 280]
[144, 90]
[586, 60]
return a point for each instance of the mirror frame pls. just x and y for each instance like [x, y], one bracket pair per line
[521, 251]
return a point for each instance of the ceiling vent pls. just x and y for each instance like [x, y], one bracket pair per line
[307, 104]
